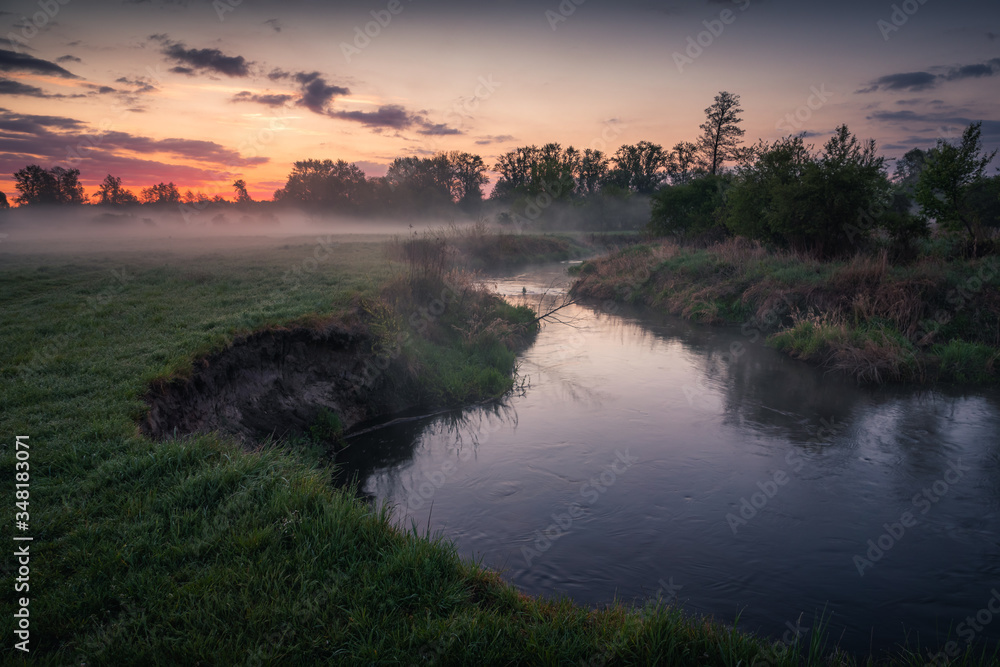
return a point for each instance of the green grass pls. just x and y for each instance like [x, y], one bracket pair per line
[196, 551]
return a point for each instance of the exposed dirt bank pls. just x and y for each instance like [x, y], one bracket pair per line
[272, 382]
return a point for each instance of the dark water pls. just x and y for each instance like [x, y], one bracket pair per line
[644, 459]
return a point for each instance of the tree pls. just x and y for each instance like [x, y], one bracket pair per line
[640, 166]
[48, 186]
[683, 164]
[592, 170]
[908, 170]
[3, 201]
[468, 173]
[950, 175]
[161, 193]
[325, 183]
[825, 205]
[110, 191]
[688, 209]
[242, 196]
[721, 131]
[70, 190]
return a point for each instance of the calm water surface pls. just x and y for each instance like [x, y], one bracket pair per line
[644, 459]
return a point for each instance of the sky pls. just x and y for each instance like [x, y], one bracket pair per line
[202, 92]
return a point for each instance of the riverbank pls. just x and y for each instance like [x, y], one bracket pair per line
[935, 320]
[201, 548]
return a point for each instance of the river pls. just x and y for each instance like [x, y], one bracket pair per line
[647, 456]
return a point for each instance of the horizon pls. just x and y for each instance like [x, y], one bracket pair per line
[202, 94]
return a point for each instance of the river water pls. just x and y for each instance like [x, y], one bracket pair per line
[644, 458]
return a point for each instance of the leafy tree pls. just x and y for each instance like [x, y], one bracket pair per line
[468, 174]
[242, 196]
[951, 174]
[161, 193]
[315, 183]
[683, 163]
[721, 132]
[825, 205]
[688, 209]
[529, 171]
[3, 201]
[591, 172]
[908, 170]
[110, 191]
[48, 186]
[420, 183]
[640, 166]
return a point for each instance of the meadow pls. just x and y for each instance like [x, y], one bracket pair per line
[200, 549]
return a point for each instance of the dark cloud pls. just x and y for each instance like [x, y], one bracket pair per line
[494, 139]
[917, 81]
[10, 87]
[274, 23]
[391, 116]
[437, 129]
[268, 99]
[68, 59]
[57, 139]
[202, 60]
[11, 61]
[912, 81]
[139, 86]
[316, 92]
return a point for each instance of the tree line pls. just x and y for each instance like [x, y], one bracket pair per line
[784, 193]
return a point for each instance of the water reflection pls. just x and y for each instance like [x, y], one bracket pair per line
[758, 481]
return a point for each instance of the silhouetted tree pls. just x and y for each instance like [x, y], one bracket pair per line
[52, 186]
[468, 177]
[325, 183]
[110, 191]
[242, 196]
[592, 171]
[3, 201]
[640, 167]
[161, 193]
[683, 164]
[722, 133]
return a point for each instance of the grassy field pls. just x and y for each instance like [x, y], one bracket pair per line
[934, 320]
[199, 551]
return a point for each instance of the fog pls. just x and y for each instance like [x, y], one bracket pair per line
[79, 229]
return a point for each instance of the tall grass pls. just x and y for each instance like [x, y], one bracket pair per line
[935, 319]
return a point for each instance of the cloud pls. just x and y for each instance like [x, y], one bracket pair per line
[917, 81]
[11, 87]
[494, 139]
[913, 81]
[274, 23]
[140, 86]
[68, 59]
[268, 99]
[56, 139]
[391, 116]
[316, 93]
[11, 61]
[437, 129]
[193, 61]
